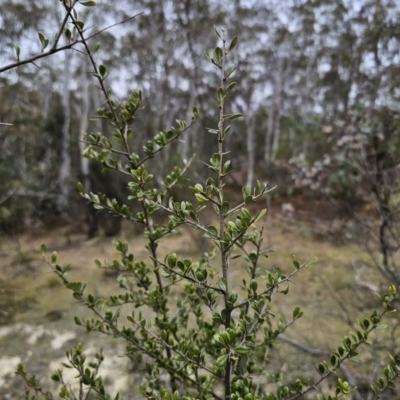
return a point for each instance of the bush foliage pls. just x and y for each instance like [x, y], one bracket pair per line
[195, 331]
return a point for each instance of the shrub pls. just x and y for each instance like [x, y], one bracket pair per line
[209, 335]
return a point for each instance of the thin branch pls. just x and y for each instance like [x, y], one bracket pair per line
[194, 281]
[177, 136]
[7, 196]
[269, 290]
[306, 349]
[323, 353]
[167, 345]
[113, 25]
[332, 371]
[38, 56]
[61, 30]
[54, 49]
[239, 206]
[90, 55]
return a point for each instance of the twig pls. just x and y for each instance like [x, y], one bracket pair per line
[7, 196]
[112, 26]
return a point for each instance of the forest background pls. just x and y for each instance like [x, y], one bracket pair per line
[319, 93]
[317, 77]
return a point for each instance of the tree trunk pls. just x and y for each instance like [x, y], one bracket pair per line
[278, 111]
[250, 137]
[83, 125]
[65, 159]
[272, 136]
[92, 220]
[184, 145]
[269, 134]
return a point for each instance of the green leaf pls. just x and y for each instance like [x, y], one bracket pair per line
[248, 199]
[296, 312]
[54, 257]
[231, 86]
[215, 159]
[261, 214]
[218, 56]
[221, 360]
[365, 324]
[43, 249]
[88, 3]
[68, 34]
[198, 187]
[253, 285]
[233, 44]
[41, 37]
[232, 225]
[226, 166]
[212, 230]
[241, 350]
[80, 25]
[233, 296]
[333, 360]
[310, 261]
[44, 42]
[222, 284]
[17, 51]
[55, 378]
[381, 326]
[196, 114]
[225, 207]
[233, 116]
[200, 198]
[216, 31]
[171, 260]
[63, 391]
[229, 71]
[220, 94]
[321, 368]
[102, 71]
[226, 130]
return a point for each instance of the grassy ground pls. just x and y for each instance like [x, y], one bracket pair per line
[40, 309]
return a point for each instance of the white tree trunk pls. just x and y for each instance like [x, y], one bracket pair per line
[184, 145]
[272, 136]
[65, 159]
[277, 111]
[306, 95]
[250, 138]
[269, 133]
[83, 125]
[47, 92]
